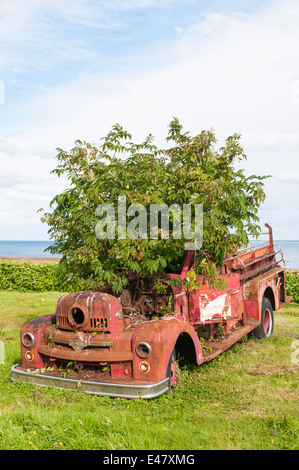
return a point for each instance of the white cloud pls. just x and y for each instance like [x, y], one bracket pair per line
[231, 72]
[25, 187]
[235, 78]
[291, 176]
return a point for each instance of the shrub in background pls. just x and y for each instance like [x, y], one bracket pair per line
[292, 285]
[27, 277]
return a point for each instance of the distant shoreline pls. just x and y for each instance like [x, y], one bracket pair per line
[31, 259]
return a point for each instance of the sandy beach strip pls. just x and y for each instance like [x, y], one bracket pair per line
[31, 259]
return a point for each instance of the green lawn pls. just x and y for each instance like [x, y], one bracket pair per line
[247, 398]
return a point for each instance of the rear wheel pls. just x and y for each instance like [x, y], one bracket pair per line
[265, 329]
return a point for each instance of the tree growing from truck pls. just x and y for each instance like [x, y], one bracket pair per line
[190, 170]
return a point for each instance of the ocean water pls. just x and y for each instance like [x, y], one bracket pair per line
[25, 248]
[290, 250]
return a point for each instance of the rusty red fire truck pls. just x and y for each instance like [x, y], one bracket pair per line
[128, 346]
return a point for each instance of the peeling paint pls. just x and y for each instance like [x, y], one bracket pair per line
[220, 306]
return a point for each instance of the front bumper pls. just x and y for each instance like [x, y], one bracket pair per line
[93, 388]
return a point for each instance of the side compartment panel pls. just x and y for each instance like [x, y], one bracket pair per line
[254, 290]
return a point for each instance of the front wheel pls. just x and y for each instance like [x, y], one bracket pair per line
[172, 369]
[265, 329]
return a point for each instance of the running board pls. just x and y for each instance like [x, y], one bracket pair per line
[232, 337]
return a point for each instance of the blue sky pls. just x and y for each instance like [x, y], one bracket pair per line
[70, 70]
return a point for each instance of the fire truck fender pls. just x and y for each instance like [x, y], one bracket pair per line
[30, 336]
[161, 337]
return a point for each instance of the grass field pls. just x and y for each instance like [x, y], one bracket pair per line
[245, 399]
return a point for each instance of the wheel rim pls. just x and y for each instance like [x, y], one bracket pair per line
[267, 322]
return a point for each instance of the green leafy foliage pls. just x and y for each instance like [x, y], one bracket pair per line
[26, 276]
[292, 285]
[189, 171]
[34, 277]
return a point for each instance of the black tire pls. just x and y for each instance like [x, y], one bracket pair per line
[265, 329]
[171, 369]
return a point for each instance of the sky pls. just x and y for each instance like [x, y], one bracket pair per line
[70, 70]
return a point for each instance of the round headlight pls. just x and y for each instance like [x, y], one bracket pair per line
[28, 340]
[143, 350]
